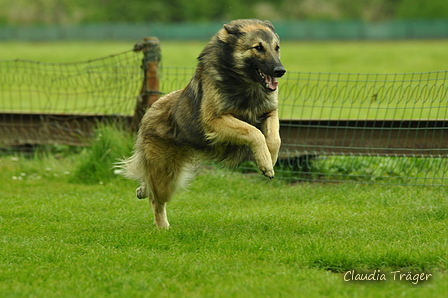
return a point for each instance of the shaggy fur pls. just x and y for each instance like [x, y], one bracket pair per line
[226, 113]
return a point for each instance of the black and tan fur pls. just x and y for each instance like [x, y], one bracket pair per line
[227, 112]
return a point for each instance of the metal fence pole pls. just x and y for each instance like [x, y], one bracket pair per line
[149, 92]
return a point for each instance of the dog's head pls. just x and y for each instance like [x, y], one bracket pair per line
[255, 51]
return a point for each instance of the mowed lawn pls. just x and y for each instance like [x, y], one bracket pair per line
[232, 235]
[328, 56]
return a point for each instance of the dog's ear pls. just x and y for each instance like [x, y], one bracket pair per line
[227, 32]
[269, 25]
[232, 29]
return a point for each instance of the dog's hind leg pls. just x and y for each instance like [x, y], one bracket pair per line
[160, 217]
[141, 191]
[167, 173]
[158, 198]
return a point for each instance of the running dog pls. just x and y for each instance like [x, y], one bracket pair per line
[227, 113]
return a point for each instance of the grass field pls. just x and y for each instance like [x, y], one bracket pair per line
[332, 56]
[232, 236]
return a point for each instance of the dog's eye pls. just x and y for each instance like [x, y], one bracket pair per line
[259, 48]
[277, 48]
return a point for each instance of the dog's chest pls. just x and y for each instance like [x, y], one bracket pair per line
[255, 112]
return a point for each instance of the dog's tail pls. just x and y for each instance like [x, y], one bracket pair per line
[131, 167]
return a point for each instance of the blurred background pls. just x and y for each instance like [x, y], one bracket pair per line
[168, 11]
[294, 19]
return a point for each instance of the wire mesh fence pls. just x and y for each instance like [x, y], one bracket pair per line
[402, 96]
[369, 128]
[363, 128]
[385, 114]
[42, 103]
[107, 85]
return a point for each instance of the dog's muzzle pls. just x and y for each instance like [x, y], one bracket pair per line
[270, 81]
[279, 71]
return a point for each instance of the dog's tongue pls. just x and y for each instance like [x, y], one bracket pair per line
[271, 82]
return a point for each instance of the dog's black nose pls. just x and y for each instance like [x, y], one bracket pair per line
[279, 71]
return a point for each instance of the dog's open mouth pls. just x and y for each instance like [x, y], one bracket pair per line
[269, 82]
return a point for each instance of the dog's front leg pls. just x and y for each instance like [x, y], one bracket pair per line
[228, 129]
[271, 130]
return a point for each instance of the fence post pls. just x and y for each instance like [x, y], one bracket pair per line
[149, 92]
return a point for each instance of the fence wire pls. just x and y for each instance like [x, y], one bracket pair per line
[402, 96]
[370, 128]
[44, 103]
[102, 86]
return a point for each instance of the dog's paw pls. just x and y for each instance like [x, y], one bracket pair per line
[141, 192]
[264, 163]
[268, 173]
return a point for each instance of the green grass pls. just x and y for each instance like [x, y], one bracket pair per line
[338, 56]
[364, 169]
[330, 56]
[232, 236]
[110, 145]
[366, 56]
[61, 52]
